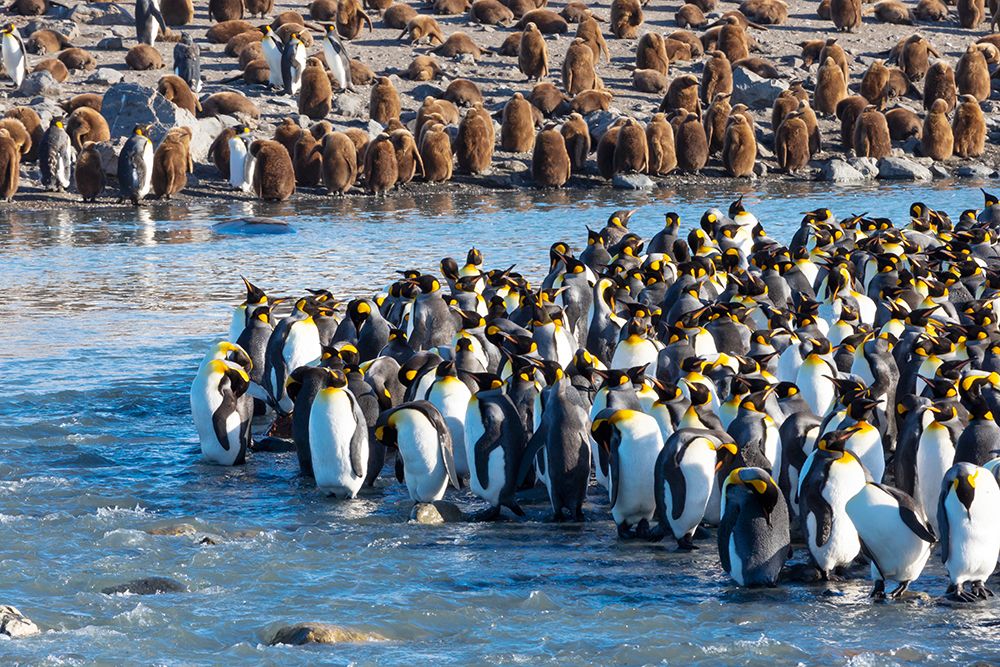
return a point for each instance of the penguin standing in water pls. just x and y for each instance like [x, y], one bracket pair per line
[293, 63]
[630, 442]
[241, 163]
[337, 59]
[970, 536]
[418, 432]
[294, 343]
[494, 443]
[187, 62]
[55, 157]
[338, 439]
[241, 313]
[274, 50]
[254, 340]
[220, 406]
[148, 21]
[135, 166]
[894, 534]
[15, 58]
[303, 386]
[450, 397]
[753, 537]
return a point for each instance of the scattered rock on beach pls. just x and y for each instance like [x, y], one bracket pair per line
[129, 104]
[840, 172]
[632, 182]
[40, 83]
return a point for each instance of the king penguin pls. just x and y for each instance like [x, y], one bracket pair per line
[187, 62]
[221, 408]
[338, 439]
[135, 166]
[294, 343]
[420, 435]
[15, 59]
[337, 59]
[241, 163]
[273, 53]
[494, 443]
[293, 63]
[55, 157]
[970, 535]
[148, 21]
[450, 396]
[753, 537]
[241, 313]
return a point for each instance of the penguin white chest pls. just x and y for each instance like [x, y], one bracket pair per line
[237, 162]
[302, 347]
[935, 454]
[332, 427]
[426, 476]
[636, 463]
[451, 397]
[697, 467]
[14, 59]
[145, 178]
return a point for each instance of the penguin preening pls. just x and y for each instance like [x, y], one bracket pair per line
[135, 166]
[754, 538]
[419, 433]
[220, 405]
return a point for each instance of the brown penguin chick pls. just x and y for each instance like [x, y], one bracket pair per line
[576, 136]
[791, 143]
[249, 53]
[939, 84]
[970, 14]
[687, 38]
[490, 12]
[258, 8]
[589, 30]
[32, 122]
[848, 110]
[631, 150]
[575, 11]
[830, 88]
[810, 51]
[18, 133]
[831, 49]
[84, 125]
[286, 17]
[287, 133]
[257, 72]
[649, 81]
[286, 31]
[53, 66]
[89, 100]
[89, 172]
[361, 74]
[765, 12]
[739, 149]
[550, 163]
[591, 100]
[28, 7]
[874, 82]
[378, 5]
[845, 14]
[436, 153]
[458, 43]
[228, 104]
[812, 126]
[548, 99]
[899, 85]
[691, 144]
[972, 74]
[10, 166]
[221, 33]
[743, 110]
[903, 124]
[463, 93]
[785, 103]
[716, 77]
[758, 66]
[172, 163]
[914, 57]
[823, 10]
[398, 15]
[715, 120]
[547, 21]
[533, 56]
[733, 40]
[937, 140]
[893, 11]
[225, 10]
[323, 10]
[360, 139]
[626, 17]
[443, 110]
[578, 72]
[316, 93]
[423, 29]
[340, 163]
[239, 42]
[408, 160]
[422, 68]
[990, 51]
[77, 59]
[451, 7]
[218, 152]
[683, 93]
[931, 10]
[690, 16]
[273, 174]
[474, 144]
[511, 45]
[307, 160]
[351, 19]
[177, 12]
[871, 134]
[678, 51]
[42, 42]
[969, 127]
[380, 167]
[383, 102]
[517, 125]
[662, 147]
[142, 57]
[320, 129]
[177, 91]
[606, 150]
[705, 5]
[651, 53]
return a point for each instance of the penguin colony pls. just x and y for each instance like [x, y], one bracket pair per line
[841, 390]
[676, 87]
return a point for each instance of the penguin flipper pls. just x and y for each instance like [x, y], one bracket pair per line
[614, 473]
[358, 462]
[818, 506]
[490, 440]
[444, 442]
[534, 446]
[726, 526]
[908, 513]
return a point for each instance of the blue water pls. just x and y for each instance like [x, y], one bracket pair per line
[107, 312]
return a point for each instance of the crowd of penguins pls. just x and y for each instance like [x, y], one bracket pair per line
[694, 124]
[718, 378]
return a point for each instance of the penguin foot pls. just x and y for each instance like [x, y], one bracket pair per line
[625, 532]
[514, 507]
[701, 533]
[656, 534]
[898, 591]
[958, 593]
[980, 591]
[685, 544]
[878, 593]
[830, 575]
[642, 529]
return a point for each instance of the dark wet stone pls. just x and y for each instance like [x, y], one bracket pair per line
[272, 444]
[253, 226]
[321, 633]
[147, 586]
[437, 512]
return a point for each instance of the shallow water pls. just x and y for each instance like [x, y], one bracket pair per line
[107, 312]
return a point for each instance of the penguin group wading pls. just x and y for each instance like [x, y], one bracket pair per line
[840, 392]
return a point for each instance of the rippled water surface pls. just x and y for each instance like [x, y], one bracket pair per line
[106, 313]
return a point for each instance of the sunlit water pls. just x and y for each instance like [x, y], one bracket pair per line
[106, 314]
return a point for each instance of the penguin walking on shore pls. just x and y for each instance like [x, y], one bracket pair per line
[187, 62]
[970, 535]
[148, 21]
[55, 157]
[15, 58]
[220, 406]
[135, 166]
[419, 433]
[754, 531]
[241, 163]
[293, 63]
[337, 59]
[274, 49]
[338, 439]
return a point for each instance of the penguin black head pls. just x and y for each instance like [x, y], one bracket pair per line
[736, 207]
[621, 218]
[261, 314]
[989, 199]
[486, 382]
[59, 121]
[671, 222]
[336, 378]
[416, 365]
[963, 481]
[834, 441]
[427, 283]
[141, 130]
[468, 283]
[463, 344]
[330, 357]
[359, 310]
[237, 378]
[255, 295]
[474, 257]
[469, 319]
[699, 393]
[449, 268]
[757, 482]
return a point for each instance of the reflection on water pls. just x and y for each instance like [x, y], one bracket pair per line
[107, 311]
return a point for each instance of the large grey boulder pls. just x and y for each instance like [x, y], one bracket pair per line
[598, 122]
[840, 172]
[350, 105]
[101, 13]
[40, 83]
[902, 169]
[755, 91]
[14, 624]
[632, 182]
[106, 76]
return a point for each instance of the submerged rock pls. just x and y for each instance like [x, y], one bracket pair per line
[147, 586]
[321, 633]
[14, 624]
[632, 182]
[253, 226]
[173, 529]
[437, 512]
